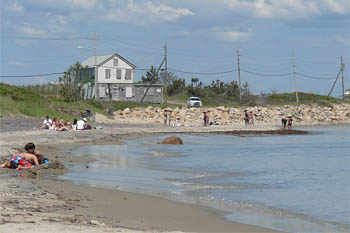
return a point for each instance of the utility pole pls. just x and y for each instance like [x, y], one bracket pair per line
[342, 75]
[295, 79]
[341, 71]
[239, 78]
[166, 73]
[95, 38]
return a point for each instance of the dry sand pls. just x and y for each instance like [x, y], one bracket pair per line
[41, 205]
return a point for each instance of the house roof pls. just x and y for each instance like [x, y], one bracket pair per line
[90, 62]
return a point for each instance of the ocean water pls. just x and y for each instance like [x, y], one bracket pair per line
[294, 183]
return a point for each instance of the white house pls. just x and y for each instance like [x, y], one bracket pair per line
[347, 94]
[115, 80]
[112, 68]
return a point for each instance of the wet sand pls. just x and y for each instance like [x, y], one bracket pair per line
[50, 205]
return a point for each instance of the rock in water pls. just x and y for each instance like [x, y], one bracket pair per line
[172, 140]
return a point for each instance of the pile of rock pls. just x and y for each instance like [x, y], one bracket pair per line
[310, 113]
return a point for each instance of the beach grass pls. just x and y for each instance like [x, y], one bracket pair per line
[20, 101]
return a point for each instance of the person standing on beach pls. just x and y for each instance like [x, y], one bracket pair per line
[284, 122]
[251, 118]
[246, 117]
[290, 121]
[165, 116]
[169, 117]
[205, 119]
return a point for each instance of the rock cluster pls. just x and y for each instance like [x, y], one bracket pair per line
[306, 113]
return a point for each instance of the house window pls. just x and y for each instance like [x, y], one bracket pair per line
[128, 92]
[108, 73]
[119, 74]
[128, 74]
[115, 62]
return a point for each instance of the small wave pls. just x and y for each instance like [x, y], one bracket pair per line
[196, 186]
[243, 207]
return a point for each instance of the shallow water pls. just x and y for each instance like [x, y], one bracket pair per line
[295, 183]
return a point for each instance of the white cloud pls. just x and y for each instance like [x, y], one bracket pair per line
[70, 4]
[280, 9]
[54, 26]
[233, 36]
[16, 63]
[144, 13]
[15, 7]
[338, 6]
[32, 31]
[288, 9]
[342, 40]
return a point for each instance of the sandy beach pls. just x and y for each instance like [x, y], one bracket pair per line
[50, 205]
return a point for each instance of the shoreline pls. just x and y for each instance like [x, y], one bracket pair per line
[66, 190]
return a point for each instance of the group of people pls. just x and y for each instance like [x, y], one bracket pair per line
[65, 125]
[248, 118]
[167, 116]
[287, 122]
[28, 159]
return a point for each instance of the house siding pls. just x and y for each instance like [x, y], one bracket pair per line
[122, 65]
[118, 92]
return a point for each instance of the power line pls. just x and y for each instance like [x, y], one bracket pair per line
[259, 70]
[31, 75]
[271, 75]
[313, 77]
[203, 73]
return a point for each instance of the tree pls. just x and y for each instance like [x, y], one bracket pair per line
[151, 76]
[196, 88]
[176, 86]
[70, 86]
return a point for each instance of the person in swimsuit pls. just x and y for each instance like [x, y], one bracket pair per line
[251, 118]
[21, 161]
[28, 159]
[290, 121]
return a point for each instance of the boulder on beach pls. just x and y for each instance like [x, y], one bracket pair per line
[173, 140]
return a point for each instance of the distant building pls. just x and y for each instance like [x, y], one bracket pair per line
[347, 94]
[115, 77]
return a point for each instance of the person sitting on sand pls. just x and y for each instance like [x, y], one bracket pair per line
[290, 121]
[54, 124]
[47, 123]
[26, 160]
[61, 126]
[86, 124]
[178, 122]
[68, 125]
[80, 124]
[75, 124]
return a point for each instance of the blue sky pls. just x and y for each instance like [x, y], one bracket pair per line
[202, 36]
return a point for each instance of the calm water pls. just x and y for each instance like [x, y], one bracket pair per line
[295, 183]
